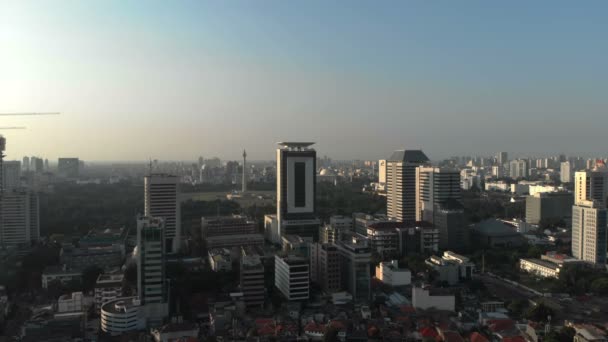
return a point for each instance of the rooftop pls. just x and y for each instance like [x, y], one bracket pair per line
[413, 156]
[493, 227]
[292, 144]
[120, 305]
[543, 263]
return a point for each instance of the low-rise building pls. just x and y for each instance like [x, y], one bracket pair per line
[227, 225]
[292, 277]
[389, 273]
[173, 332]
[107, 287]
[495, 233]
[252, 280]
[101, 256]
[61, 274]
[541, 268]
[71, 303]
[220, 260]
[122, 315]
[452, 267]
[426, 298]
[228, 241]
[589, 333]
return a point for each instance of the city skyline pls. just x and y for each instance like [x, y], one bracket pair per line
[138, 80]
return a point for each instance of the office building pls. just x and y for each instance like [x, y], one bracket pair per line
[292, 277]
[401, 184]
[592, 185]
[252, 280]
[362, 221]
[417, 238]
[383, 238]
[438, 299]
[227, 225]
[355, 259]
[296, 191]
[502, 158]
[389, 273]
[11, 174]
[19, 219]
[342, 223]
[547, 207]
[66, 167]
[589, 231]
[325, 267]
[518, 169]
[104, 257]
[162, 201]
[450, 221]
[107, 287]
[239, 240]
[151, 260]
[565, 172]
[220, 260]
[26, 161]
[451, 267]
[434, 186]
[61, 274]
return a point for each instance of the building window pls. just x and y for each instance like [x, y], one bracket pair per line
[300, 184]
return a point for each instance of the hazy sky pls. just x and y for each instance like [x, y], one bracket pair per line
[179, 79]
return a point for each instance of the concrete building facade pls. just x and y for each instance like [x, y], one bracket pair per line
[162, 201]
[401, 184]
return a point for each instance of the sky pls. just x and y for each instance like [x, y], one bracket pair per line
[174, 80]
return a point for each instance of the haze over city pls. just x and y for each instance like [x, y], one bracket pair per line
[172, 81]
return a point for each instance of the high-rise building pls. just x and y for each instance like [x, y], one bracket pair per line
[565, 173]
[518, 168]
[502, 158]
[434, 186]
[589, 232]
[450, 221]
[37, 164]
[292, 277]
[325, 266]
[162, 201]
[67, 167]
[11, 174]
[549, 206]
[244, 185]
[592, 185]
[401, 184]
[19, 217]
[296, 190]
[382, 172]
[252, 280]
[26, 163]
[355, 259]
[151, 286]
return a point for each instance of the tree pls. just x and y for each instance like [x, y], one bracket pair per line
[539, 313]
[517, 307]
[89, 277]
[566, 334]
[600, 286]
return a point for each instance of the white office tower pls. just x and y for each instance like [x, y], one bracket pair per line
[292, 277]
[401, 184]
[518, 168]
[296, 191]
[435, 186]
[589, 232]
[565, 172]
[19, 219]
[592, 185]
[162, 201]
[151, 283]
[11, 174]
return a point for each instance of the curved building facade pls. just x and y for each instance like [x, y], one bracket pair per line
[121, 315]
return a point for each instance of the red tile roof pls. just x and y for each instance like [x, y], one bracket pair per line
[477, 337]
